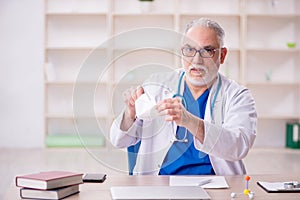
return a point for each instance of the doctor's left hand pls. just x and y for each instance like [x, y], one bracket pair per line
[173, 110]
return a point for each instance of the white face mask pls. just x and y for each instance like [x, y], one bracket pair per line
[145, 108]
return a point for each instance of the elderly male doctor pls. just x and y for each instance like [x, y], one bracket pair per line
[200, 122]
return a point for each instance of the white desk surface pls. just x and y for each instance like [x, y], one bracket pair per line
[237, 184]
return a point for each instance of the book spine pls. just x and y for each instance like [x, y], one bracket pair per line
[16, 181]
[21, 194]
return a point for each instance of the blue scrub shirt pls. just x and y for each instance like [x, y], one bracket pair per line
[183, 158]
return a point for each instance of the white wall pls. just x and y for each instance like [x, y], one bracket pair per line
[21, 73]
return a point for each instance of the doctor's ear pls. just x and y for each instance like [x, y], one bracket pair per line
[223, 54]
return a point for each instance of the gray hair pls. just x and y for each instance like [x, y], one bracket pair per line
[208, 23]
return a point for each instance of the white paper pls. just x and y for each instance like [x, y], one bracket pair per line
[215, 181]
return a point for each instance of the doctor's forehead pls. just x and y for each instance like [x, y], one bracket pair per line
[199, 36]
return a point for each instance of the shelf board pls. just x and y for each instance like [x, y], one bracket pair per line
[74, 47]
[260, 49]
[73, 82]
[60, 83]
[72, 13]
[279, 117]
[210, 15]
[284, 84]
[124, 14]
[63, 48]
[272, 15]
[116, 48]
[126, 83]
[71, 116]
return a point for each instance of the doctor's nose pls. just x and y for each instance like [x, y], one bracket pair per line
[197, 59]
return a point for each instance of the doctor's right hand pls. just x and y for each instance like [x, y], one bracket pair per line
[130, 96]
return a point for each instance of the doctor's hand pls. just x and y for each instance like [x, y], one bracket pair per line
[130, 96]
[173, 110]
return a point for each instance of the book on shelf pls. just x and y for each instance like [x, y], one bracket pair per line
[49, 180]
[53, 194]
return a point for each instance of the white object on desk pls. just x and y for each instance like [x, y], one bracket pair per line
[158, 192]
[276, 187]
[211, 181]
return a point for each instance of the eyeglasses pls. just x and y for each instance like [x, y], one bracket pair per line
[204, 53]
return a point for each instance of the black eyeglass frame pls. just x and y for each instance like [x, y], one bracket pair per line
[200, 51]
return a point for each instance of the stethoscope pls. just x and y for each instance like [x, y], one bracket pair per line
[185, 139]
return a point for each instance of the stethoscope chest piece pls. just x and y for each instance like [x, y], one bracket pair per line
[184, 140]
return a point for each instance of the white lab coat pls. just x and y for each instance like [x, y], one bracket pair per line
[228, 135]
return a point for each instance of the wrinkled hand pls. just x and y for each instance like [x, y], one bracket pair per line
[130, 96]
[173, 110]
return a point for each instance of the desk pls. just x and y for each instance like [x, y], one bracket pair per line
[91, 191]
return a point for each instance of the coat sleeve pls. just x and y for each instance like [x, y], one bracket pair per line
[123, 139]
[235, 136]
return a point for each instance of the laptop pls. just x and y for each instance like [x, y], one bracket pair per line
[158, 192]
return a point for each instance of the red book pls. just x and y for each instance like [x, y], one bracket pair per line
[49, 180]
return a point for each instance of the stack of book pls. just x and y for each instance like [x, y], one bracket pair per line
[49, 184]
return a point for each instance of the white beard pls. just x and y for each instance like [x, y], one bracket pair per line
[206, 78]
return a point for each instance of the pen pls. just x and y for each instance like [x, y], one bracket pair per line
[203, 182]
